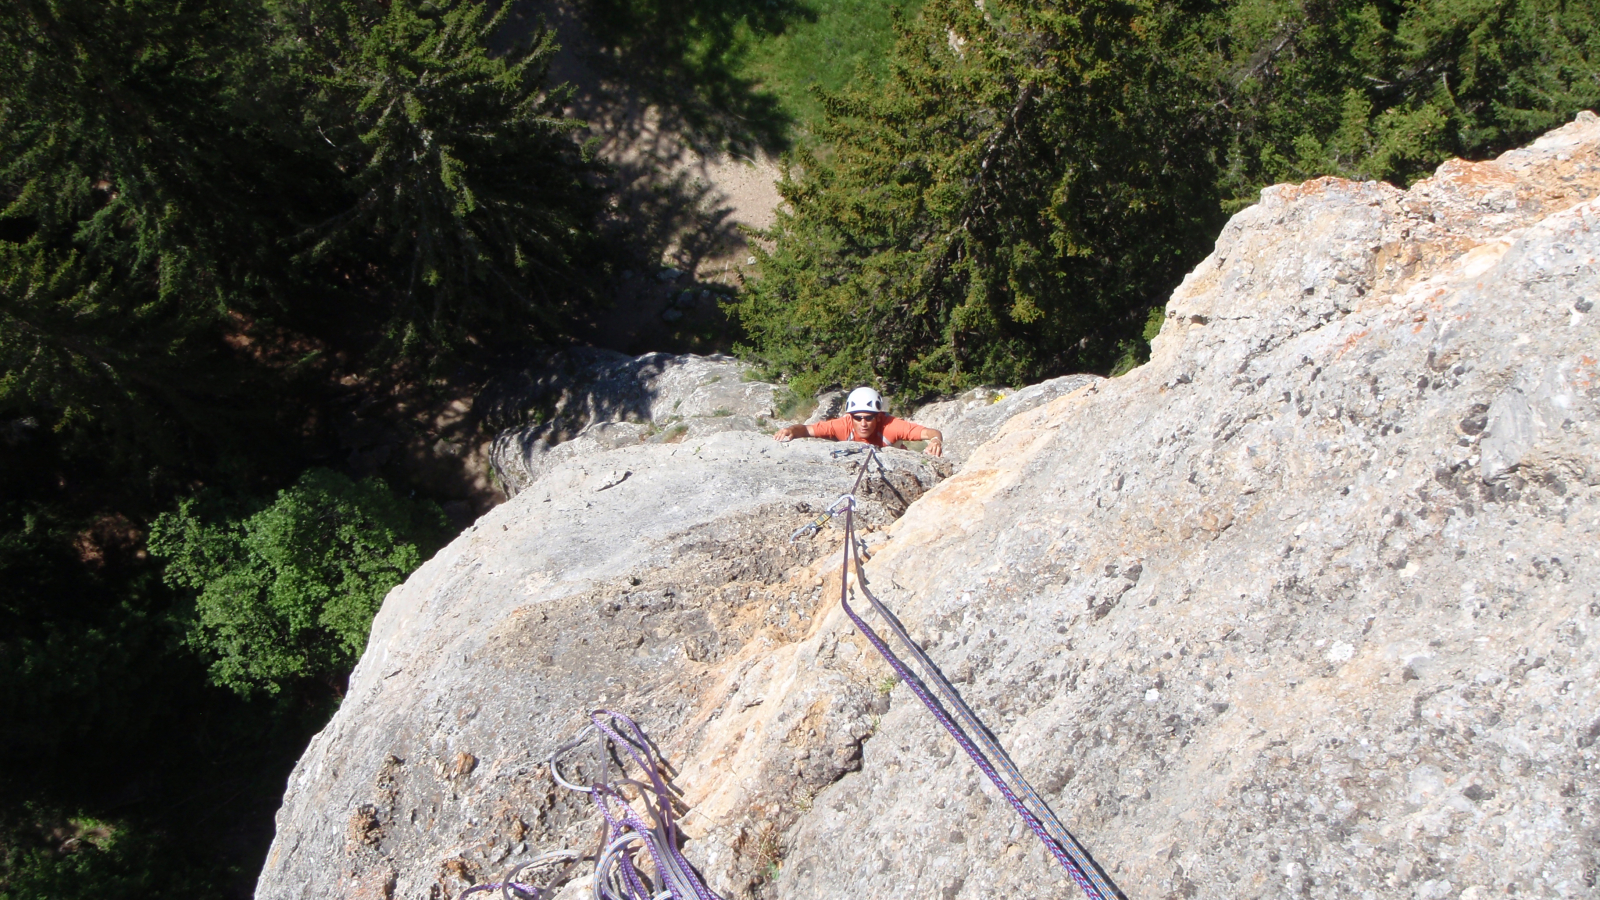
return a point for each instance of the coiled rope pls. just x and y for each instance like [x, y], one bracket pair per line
[969, 732]
[616, 876]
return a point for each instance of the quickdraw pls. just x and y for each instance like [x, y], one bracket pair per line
[813, 527]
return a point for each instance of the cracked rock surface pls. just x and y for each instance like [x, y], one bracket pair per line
[1304, 606]
[1307, 605]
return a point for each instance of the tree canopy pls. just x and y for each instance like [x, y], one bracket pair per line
[174, 174]
[1036, 177]
[213, 215]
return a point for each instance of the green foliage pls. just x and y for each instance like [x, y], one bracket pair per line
[123, 376]
[128, 129]
[54, 614]
[690, 57]
[1025, 185]
[105, 714]
[49, 855]
[171, 174]
[1136, 352]
[288, 592]
[128, 218]
[744, 71]
[1033, 177]
[195, 199]
[825, 47]
[462, 178]
[1389, 90]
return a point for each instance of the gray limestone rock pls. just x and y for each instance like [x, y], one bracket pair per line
[1305, 606]
[973, 418]
[654, 578]
[594, 399]
[830, 405]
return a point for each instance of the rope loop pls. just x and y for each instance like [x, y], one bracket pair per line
[618, 874]
[513, 886]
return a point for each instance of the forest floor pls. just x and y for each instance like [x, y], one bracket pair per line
[682, 196]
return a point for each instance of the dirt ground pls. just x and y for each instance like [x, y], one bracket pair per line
[679, 201]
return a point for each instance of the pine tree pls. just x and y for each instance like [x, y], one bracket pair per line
[1031, 180]
[1390, 90]
[173, 174]
[1035, 178]
[133, 223]
[463, 183]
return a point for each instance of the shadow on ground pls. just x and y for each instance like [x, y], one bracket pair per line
[684, 57]
[692, 148]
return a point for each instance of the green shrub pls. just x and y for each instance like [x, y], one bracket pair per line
[1136, 353]
[289, 591]
[50, 855]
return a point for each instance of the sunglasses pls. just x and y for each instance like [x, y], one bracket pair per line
[863, 417]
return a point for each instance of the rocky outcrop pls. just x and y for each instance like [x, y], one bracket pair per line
[1304, 606]
[974, 418]
[581, 401]
[657, 578]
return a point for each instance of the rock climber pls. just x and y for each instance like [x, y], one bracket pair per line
[864, 420]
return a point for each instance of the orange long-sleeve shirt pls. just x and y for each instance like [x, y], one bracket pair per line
[844, 429]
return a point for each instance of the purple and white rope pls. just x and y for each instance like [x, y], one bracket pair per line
[623, 823]
[1037, 815]
[616, 876]
[615, 869]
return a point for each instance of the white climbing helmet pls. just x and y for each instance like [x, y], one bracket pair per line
[863, 399]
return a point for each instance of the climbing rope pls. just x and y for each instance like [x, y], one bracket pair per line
[511, 888]
[969, 732]
[849, 499]
[617, 875]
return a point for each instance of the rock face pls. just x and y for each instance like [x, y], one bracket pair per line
[1304, 606]
[657, 578]
[975, 417]
[581, 401]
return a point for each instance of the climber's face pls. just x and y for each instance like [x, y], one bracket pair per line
[866, 424]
